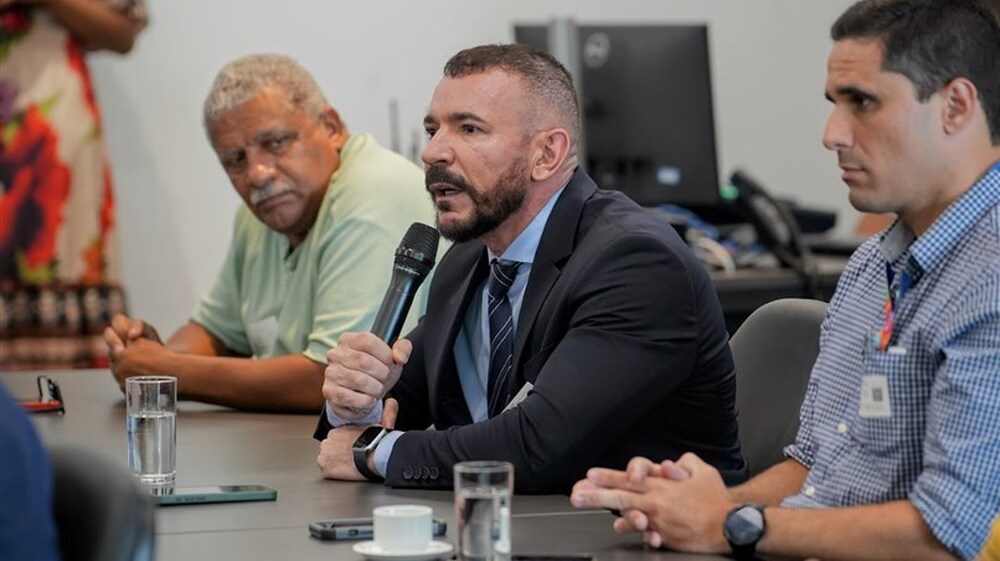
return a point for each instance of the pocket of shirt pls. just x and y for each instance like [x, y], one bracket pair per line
[908, 394]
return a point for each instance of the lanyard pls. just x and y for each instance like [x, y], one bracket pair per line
[893, 299]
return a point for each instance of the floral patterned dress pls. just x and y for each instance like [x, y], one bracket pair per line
[59, 270]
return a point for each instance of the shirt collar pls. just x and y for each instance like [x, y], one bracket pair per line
[524, 246]
[930, 249]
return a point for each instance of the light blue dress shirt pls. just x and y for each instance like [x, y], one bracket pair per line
[472, 346]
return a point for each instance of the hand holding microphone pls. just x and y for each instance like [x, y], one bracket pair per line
[362, 368]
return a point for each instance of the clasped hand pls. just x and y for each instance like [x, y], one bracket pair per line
[134, 348]
[681, 505]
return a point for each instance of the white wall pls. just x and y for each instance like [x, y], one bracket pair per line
[175, 206]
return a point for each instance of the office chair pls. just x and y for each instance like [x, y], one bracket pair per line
[774, 351]
[101, 512]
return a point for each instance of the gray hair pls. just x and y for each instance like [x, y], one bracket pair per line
[244, 78]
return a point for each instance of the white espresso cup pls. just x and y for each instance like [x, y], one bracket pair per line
[402, 528]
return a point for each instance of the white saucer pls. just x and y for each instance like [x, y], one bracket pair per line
[434, 550]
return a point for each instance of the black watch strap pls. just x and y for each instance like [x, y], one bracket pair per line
[361, 463]
[364, 446]
[746, 552]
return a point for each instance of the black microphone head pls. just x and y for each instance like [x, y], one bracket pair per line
[418, 249]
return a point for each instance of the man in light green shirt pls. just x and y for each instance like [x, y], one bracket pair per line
[312, 249]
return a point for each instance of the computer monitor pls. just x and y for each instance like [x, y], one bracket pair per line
[648, 123]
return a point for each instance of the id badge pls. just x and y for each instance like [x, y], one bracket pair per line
[875, 397]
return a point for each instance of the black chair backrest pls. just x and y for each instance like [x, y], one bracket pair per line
[774, 351]
[101, 512]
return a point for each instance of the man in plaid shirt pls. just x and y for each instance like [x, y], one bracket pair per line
[898, 453]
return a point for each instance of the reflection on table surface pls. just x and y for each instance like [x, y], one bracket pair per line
[219, 446]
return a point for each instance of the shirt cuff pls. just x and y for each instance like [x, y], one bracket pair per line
[384, 450]
[372, 418]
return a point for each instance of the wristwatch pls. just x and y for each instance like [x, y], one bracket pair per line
[743, 528]
[364, 446]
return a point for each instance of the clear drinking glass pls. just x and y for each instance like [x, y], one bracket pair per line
[151, 428]
[482, 509]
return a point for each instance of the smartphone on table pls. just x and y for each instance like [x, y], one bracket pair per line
[357, 529]
[216, 494]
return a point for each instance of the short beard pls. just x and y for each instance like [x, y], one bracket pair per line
[489, 209]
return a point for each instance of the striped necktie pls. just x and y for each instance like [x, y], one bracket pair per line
[502, 274]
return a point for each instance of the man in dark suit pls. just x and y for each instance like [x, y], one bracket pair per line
[595, 301]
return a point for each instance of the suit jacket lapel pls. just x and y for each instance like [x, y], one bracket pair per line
[557, 243]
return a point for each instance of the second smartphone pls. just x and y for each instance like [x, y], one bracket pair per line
[356, 529]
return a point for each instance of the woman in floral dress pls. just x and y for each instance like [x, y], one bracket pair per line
[59, 271]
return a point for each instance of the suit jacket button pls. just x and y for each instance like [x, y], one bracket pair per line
[408, 472]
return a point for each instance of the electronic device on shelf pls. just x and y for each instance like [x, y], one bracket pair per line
[776, 228]
[646, 102]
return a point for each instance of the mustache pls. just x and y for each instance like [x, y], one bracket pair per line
[439, 174]
[268, 191]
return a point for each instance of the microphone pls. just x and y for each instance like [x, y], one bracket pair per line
[414, 260]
